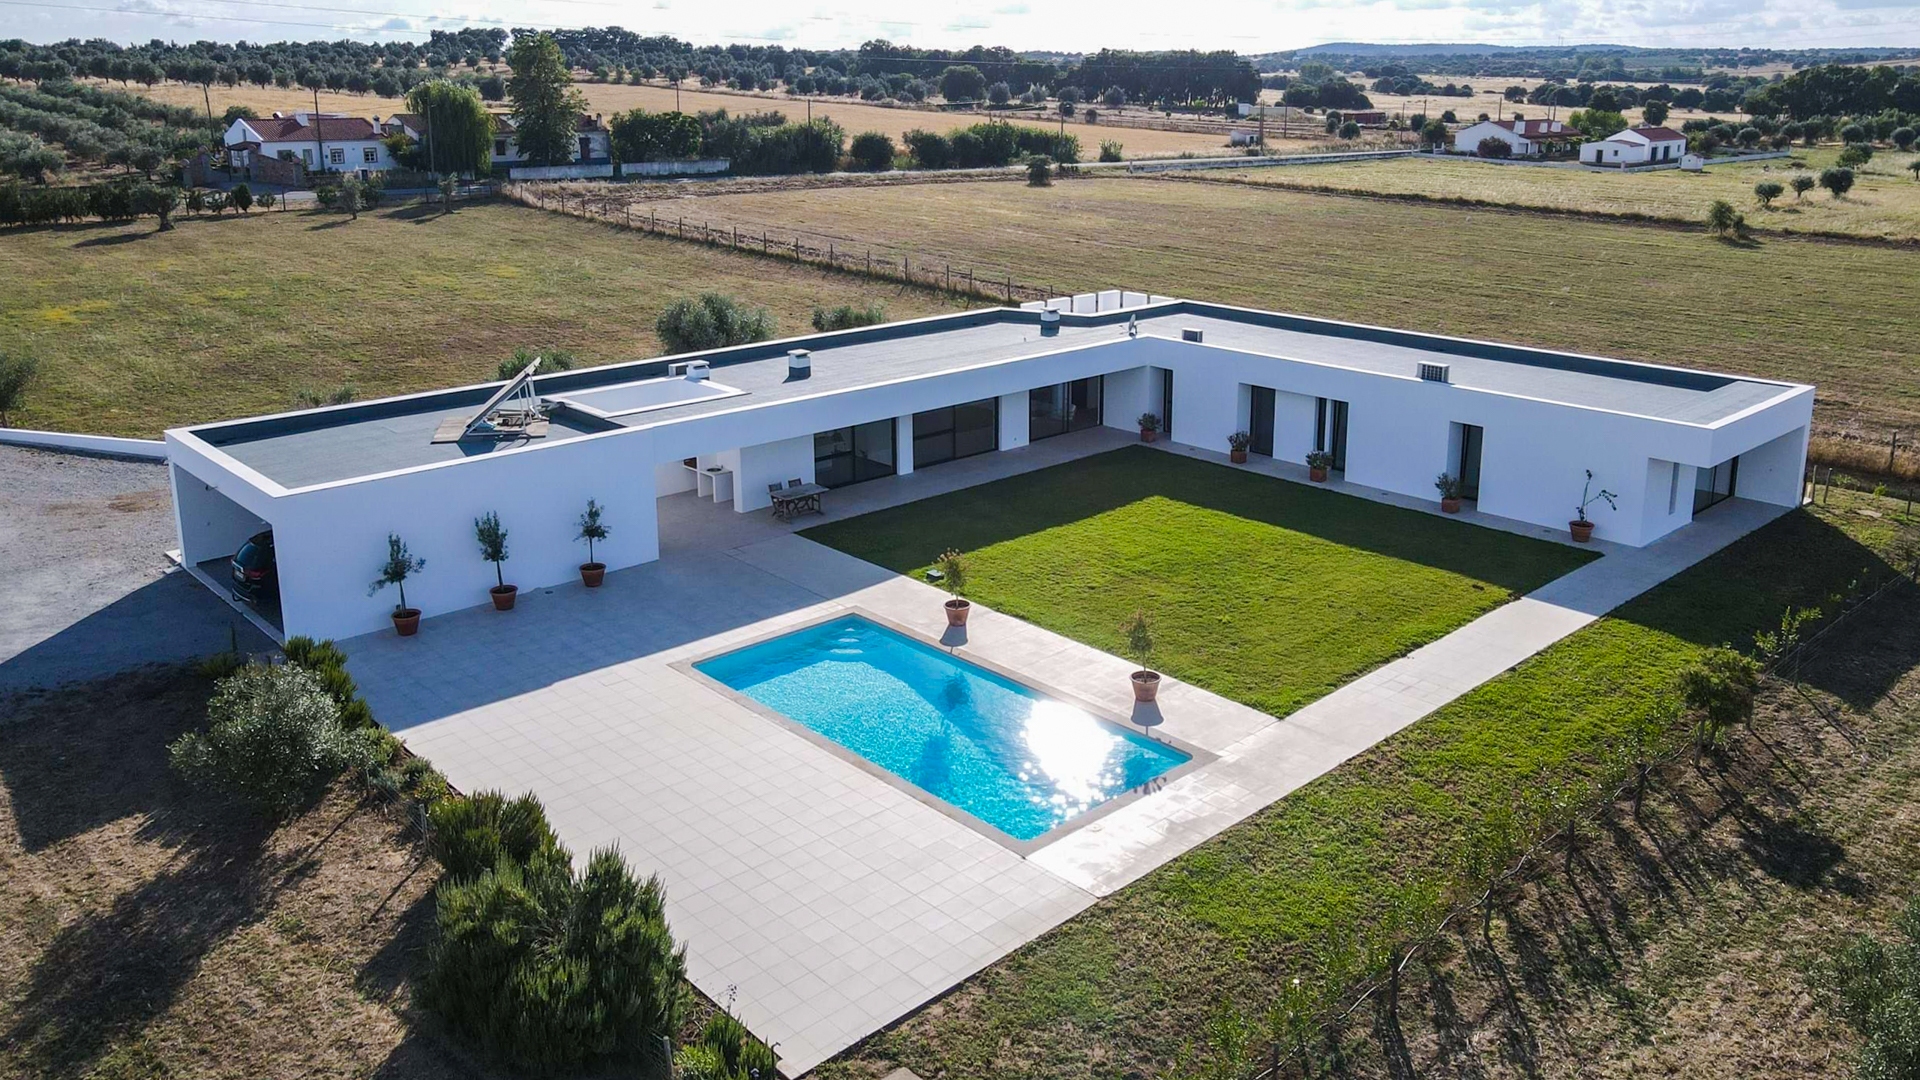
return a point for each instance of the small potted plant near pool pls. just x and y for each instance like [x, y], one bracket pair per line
[1318, 463]
[1146, 681]
[1581, 528]
[592, 529]
[1149, 426]
[493, 548]
[1237, 444]
[1449, 488]
[953, 578]
[400, 566]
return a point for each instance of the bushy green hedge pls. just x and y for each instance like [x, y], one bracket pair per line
[847, 317]
[549, 971]
[989, 144]
[726, 1051]
[274, 737]
[711, 321]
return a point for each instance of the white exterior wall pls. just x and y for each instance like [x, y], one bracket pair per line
[1294, 416]
[1015, 420]
[1467, 139]
[770, 463]
[1124, 395]
[1775, 471]
[210, 524]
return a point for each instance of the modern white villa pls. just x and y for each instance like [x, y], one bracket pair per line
[1390, 409]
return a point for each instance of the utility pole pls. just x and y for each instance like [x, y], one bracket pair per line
[317, 140]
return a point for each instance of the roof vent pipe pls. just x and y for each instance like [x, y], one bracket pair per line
[698, 370]
[1049, 323]
[799, 364]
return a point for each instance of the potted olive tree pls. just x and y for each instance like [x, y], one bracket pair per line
[1449, 488]
[1237, 444]
[1581, 528]
[592, 529]
[1318, 462]
[1149, 426]
[1146, 681]
[953, 578]
[400, 566]
[493, 548]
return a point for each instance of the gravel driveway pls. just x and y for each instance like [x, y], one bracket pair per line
[89, 589]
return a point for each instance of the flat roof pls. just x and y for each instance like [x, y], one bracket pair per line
[344, 442]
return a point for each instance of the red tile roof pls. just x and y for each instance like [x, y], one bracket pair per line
[336, 128]
[1660, 134]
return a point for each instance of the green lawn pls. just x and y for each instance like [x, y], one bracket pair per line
[1132, 985]
[1263, 591]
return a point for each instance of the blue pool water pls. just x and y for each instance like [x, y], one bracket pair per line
[1005, 753]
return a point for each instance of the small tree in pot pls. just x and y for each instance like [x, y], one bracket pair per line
[592, 529]
[400, 566]
[1149, 426]
[953, 578]
[1318, 463]
[493, 548]
[1237, 444]
[1582, 528]
[1449, 488]
[1146, 681]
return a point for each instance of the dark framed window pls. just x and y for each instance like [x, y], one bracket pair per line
[850, 455]
[1330, 430]
[1063, 407]
[1715, 485]
[957, 431]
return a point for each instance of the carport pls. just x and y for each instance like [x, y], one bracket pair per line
[213, 527]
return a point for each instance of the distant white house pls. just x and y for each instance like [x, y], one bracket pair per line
[322, 142]
[1526, 138]
[1636, 146]
[593, 142]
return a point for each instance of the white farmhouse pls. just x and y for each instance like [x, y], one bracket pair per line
[1636, 146]
[1387, 409]
[322, 142]
[593, 142]
[1527, 138]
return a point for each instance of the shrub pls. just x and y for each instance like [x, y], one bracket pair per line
[1039, 171]
[549, 971]
[871, 151]
[1855, 154]
[929, 150]
[273, 738]
[1749, 137]
[1724, 220]
[1803, 184]
[1839, 181]
[1349, 130]
[551, 360]
[16, 375]
[726, 1050]
[1491, 147]
[846, 316]
[1875, 987]
[1718, 691]
[471, 836]
[241, 198]
[711, 321]
[1903, 137]
[1853, 133]
[1110, 150]
[1767, 191]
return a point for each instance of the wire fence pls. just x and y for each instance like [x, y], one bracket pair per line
[879, 262]
[1409, 931]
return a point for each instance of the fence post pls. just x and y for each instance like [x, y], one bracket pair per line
[832, 259]
[1893, 447]
[1009, 288]
[796, 249]
[683, 228]
[765, 246]
[869, 264]
[949, 277]
[629, 215]
[736, 236]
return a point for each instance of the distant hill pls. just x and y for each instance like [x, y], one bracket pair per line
[1361, 48]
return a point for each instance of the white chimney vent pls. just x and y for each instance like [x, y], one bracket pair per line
[1432, 372]
[1191, 333]
[799, 363]
[1049, 322]
[698, 370]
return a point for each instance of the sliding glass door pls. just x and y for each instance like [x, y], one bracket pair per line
[849, 455]
[1715, 485]
[956, 431]
[1330, 431]
[1063, 407]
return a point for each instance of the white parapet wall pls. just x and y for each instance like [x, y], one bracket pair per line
[561, 172]
[144, 449]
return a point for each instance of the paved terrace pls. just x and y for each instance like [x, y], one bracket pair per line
[834, 901]
[302, 449]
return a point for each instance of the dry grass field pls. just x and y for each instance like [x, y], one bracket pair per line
[1885, 201]
[606, 98]
[1836, 314]
[138, 330]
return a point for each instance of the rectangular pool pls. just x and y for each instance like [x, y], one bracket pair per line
[1005, 753]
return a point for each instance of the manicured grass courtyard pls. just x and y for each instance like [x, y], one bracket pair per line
[1263, 591]
[1147, 979]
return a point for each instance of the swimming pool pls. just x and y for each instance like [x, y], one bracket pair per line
[1014, 758]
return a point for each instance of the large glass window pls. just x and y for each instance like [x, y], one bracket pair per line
[956, 431]
[849, 455]
[1715, 485]
[1063, 407]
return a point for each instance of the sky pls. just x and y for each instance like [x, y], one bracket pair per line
[1247, 26]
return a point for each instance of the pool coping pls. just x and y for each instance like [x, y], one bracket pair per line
[1197, 757]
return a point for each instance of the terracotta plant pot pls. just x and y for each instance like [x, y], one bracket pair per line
[1238, 457]
[957, 612]
[1318, 476]
[1582, 531]
[1148, 435]
[503, 596]
[1146, 685]
[592, 574]
[1449, 506]
[406, 621]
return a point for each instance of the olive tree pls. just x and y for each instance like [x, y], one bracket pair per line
[1767, 191]
[1803, 184]
[1839, 181]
